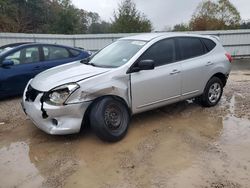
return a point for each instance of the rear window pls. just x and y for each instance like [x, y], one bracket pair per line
[210, 45]
[190, 47]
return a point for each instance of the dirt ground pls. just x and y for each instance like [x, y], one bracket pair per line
[181, 145]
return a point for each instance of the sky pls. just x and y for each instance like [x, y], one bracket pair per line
[162, 13]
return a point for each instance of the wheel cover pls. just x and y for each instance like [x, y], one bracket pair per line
[214, 92]
[113, 117]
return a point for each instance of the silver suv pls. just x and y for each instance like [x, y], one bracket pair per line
[132, 75]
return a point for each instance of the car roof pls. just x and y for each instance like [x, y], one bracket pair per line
[150, 36]
[14, 44]
[25, 44]
[47, 44]
[34, 44]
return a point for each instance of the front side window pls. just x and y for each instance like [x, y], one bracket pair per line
[190, 47]
[26, 55]
[163, 52]
[55, 53]
[117, 53]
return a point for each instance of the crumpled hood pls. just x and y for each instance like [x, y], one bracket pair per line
[63, 74]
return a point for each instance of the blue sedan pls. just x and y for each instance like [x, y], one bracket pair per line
[19, 64]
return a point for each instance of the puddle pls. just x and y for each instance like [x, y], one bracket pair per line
[164, 146]
[157, 145]
[16, 167]
[235, 131]
[232, 105]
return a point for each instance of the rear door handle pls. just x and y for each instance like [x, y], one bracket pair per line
[175, 71]
[209, 63]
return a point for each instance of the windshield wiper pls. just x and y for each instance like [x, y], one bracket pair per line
[86, 61]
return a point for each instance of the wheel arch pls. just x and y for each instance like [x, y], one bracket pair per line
[222, 77]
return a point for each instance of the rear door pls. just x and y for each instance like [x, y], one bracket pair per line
[57, 55]
[154, 88]
[193, 61]
[26, 65]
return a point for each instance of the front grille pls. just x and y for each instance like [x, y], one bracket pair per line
[31, 94]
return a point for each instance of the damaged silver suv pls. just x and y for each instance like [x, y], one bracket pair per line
[132, 75]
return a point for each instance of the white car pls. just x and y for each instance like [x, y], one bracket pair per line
[132, 75]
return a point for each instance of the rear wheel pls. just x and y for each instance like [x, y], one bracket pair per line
[109, 119]
[212, 93]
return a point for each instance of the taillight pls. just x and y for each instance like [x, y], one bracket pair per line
[229, 57]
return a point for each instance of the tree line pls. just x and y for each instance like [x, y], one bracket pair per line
[62, 17]
[210, 15]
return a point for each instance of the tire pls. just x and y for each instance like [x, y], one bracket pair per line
[109, 118]
[212, 93]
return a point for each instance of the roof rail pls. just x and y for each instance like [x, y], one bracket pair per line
[215, 37]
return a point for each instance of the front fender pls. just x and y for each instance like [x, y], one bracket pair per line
[115, 86]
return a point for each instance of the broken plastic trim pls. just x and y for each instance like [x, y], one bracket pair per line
[44, 113]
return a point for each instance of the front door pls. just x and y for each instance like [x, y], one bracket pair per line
[160, 86]
[26, 65]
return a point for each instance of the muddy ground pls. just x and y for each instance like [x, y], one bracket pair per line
[181, 145]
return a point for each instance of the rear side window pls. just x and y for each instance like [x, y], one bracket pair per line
[210, 45]
[163, 52]
[54, 53]
[190, 47]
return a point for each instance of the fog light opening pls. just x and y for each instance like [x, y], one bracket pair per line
[54, 122]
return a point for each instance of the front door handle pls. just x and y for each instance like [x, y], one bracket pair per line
[209, 63]
[175, 71]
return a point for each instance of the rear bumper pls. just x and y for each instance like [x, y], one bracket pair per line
[61, 120]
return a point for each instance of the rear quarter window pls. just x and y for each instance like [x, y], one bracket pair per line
[74, 52]
[190, 47]
[210, 45]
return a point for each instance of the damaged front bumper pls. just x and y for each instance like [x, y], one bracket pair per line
[59, 120]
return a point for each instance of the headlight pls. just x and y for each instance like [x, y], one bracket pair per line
[59, 95]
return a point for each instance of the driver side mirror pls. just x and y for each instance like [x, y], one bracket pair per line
[143, 65]
[146, 64]
[7, 63]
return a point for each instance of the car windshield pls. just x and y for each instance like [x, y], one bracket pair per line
[5, 50]
[117, 53]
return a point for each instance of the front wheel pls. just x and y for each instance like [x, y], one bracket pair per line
[212, 93]
[109, 119]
